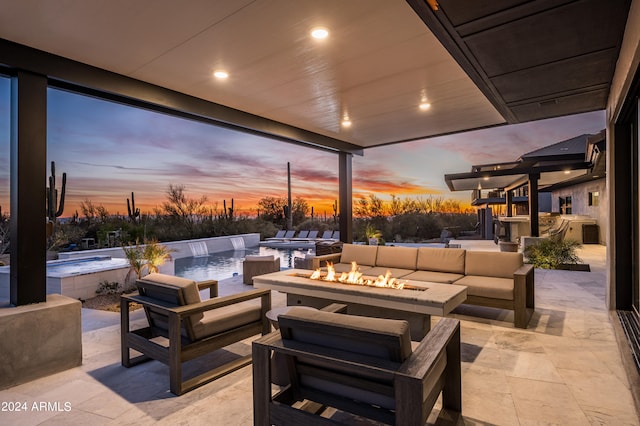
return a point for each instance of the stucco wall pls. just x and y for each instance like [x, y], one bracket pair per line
[580, 203]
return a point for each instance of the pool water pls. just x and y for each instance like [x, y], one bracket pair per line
[226, 264]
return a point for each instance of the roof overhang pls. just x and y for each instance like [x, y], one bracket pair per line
[501, 179]
[479, 64]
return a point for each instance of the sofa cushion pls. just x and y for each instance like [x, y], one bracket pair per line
[363, 255]
[492, 264]
[395, 272]
[493, 287]
[397, 257]
[346, 267]
[434, 277]
[441, 260]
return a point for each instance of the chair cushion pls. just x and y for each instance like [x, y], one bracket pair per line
[434, 277]
[492, 264]
[493, 287]
[397, 257]
[378, 337]
[219, 320]
[441, 260]
[189, 290]
[363, 255]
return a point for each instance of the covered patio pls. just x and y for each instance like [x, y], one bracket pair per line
[566, 368]
[473, 67]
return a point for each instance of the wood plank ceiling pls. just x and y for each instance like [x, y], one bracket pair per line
[478, 64]
[376, 66]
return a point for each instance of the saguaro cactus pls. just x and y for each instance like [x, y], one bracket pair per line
[133, 212]
[228, 212]
[55, 209]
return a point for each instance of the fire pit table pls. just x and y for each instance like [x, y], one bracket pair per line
[416, 302]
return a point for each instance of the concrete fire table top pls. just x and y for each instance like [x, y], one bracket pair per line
[417, 296]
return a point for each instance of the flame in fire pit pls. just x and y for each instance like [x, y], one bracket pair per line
[356, 277]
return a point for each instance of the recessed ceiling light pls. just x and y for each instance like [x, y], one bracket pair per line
[346, 122]
[566, 172]
[319, 33]
[220, 74]
[425, 105]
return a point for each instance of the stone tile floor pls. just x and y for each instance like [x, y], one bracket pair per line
[566, 368]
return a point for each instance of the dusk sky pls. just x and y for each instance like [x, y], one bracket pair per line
[109, 150]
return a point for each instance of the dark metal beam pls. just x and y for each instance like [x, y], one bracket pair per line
[345, 197]
[509, 195]
[533, 204]
[82, 78]
[28, 176]
[623, 220]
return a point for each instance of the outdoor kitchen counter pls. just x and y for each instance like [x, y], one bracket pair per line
[415, 304]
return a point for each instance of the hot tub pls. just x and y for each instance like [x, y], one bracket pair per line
[77, 278]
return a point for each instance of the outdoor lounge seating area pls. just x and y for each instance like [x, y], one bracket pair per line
[546, 373]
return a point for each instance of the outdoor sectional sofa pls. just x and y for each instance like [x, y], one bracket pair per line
[494, 279]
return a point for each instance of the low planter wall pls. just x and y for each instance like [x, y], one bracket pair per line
[39, 339]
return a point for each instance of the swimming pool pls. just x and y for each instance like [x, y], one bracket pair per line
[226, 264]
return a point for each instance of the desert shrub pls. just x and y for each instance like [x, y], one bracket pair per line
[550, 253]
[106, 287]
[416, 226]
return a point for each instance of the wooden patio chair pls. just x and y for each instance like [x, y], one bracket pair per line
[361, 366]
[190, 327]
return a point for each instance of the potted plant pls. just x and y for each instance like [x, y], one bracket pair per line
[551, 253]
[372, 235]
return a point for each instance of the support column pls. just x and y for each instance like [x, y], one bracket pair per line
[28, 178]
[289, 199]
[509, 196]
[533, 204]
[345, 197]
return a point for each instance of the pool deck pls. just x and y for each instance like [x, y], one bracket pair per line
[566, 368]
